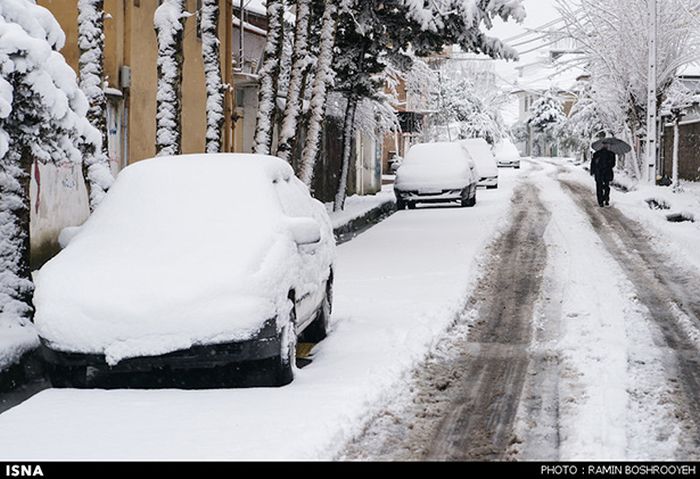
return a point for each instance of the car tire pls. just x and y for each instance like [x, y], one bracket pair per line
[400, 204]
[411, 205]
[285, 363]
[469, 202]
[318, 329]
[68, 377]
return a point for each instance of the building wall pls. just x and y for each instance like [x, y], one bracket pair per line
[130, 40]
[688, 151]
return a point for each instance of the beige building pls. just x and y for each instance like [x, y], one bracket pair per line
[130, 67]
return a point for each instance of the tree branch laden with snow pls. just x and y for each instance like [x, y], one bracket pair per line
[209, 26]
[96, 172]
[300, 64]
[613, 38]
[169, 22]
[323, 75]
[269, 77]
[42, 118]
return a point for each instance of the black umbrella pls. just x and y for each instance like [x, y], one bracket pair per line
[618, 147]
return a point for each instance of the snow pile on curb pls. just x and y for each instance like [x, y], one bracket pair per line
[357, 206]
[397, 289]
[16, 340]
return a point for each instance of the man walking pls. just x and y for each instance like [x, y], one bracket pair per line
[602, 166]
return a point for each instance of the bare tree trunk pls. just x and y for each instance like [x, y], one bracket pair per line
[319, 90]
[269, 78]
[300, 64]
[209, 26]
[169, 22]
[348, 139]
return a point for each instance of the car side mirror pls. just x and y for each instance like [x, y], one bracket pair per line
[305, 231]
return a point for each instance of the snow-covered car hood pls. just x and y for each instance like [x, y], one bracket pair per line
[164, 263]
[434, 166]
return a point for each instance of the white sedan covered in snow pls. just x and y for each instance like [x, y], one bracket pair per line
[506, 154]
[486, 167]
[436, 173]
[190, 261]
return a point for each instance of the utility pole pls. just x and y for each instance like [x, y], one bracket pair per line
[651, 101]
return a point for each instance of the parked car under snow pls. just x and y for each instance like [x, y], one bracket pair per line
[486, 167]
[506, 154]
[193, 261]
[435, 173]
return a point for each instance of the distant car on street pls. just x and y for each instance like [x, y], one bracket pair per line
[190, 262]
[485, 163]
[435, 173]
[506, 154]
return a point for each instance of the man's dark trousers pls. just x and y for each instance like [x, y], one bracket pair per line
[602, 189]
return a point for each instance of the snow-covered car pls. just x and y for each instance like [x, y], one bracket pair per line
[435, 173]
[506, 153]
[485, 163]
[192, 261]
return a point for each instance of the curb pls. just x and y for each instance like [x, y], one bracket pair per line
[356, 226]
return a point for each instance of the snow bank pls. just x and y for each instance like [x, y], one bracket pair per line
[357, 206]
[397, 288]
[183, 251]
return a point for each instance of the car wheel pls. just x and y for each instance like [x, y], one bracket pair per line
[284, 373]
[400, 204]
[471, 201]
[318, 329]
[68, 377]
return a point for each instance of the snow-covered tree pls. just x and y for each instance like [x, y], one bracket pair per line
[209, 26]
[374, 35]
[299, 68]
[613, 39]
[96, 172]
[546, 118]
[678, 100]
[476, 112]
[42, 118]
[584, 122]
[169, 21]
[269, 77]
[322, 77]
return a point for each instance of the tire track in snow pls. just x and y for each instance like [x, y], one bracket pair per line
[480, 423]
[465, 396]
[670, 294]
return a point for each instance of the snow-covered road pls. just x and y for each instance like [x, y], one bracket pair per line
[610, 367]
[399, 286]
